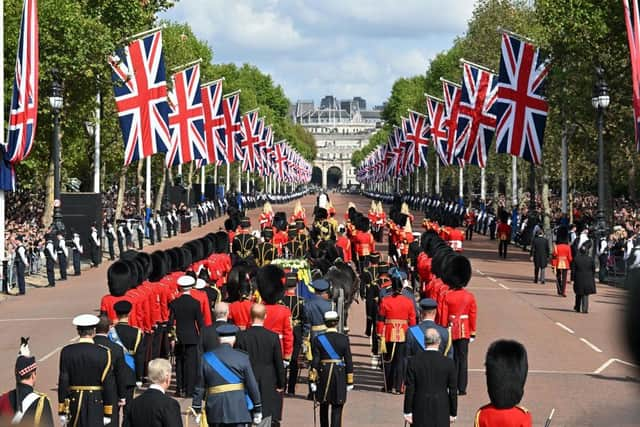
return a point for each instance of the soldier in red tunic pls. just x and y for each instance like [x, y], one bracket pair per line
[561, 260]
[459, 312]
[504, 234]
[470, 223]
[118, 280]
[270, 280]
[266, 217]
[364, 243]
[506, 365]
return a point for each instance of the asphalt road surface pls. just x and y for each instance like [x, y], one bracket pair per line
[578, 363]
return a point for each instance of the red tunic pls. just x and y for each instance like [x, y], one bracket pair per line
[265, 220]
[280, 239]
[456, 237]
[470, 218]
[205, 308]
[240, 313]
[278, 320]
[153, 300]
[424, 272]
[490, 416]
[404, 240]
[504, 231]
[364, 243]
[561, 256]
[139, 315]
[459, 311]
[107, 303]
[396, 314]
[345, 244]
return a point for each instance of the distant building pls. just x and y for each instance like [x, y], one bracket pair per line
[329, 101]
[362, 103]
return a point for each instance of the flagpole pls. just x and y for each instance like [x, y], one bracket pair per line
[514, 181]
[215, 175]
[461, 184]
[143, 33]
[147, 179]
[437, 177]
[96, 149]
[248, 181]
[426, 178]
[239, 178]
[3, 270]
[228, 168]
[202, 177]
[417, 179]
[483, 185]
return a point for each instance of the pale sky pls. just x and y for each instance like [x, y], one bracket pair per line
[314, 48]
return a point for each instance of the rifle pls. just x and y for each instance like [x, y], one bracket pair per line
[315, 406]
[548, 422]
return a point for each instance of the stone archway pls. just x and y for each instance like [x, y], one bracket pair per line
[334, 177]
[316, 176]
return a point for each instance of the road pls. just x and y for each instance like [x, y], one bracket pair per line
[578, 363]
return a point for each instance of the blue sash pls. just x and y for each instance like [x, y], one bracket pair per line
[227, 374]
[419, 336]
[128, 358]
[324, 342]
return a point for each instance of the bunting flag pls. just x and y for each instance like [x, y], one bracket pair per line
[632, 20]
[23, 114]
[452, 95]
[232, 131]
[186, 119]
[418, 133]
[477, 119]
[140, 90]
[521, 108]
[439, 130]
[213, 122]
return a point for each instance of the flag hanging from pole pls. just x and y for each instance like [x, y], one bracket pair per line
[632, 20]
[439, 130]
[24, 99]
[452, 95]
[418, 132]
[521, 107]
[213, 121]
[250, 140]
[232, 131]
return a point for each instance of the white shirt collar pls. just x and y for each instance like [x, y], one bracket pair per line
[433, 349]
[156, 387]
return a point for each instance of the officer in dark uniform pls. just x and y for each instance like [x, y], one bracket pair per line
[296, 305]
[244, 243]
[213, 293]
[111, 237]
[122, 236]
[51, 256]
[331, 373]
[76, 251]
[415, 337]
[265, 251]
[140, 232]
[151, 230]
[62, 252]
[369, 288]
[227, 384]
[21, 265]
[186, 317]
[314, 309]
[85, 382]
[131, 339]
[158, 228]
[95, 249]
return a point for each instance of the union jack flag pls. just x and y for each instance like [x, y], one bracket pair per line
[231, 134]
[418, 132]
[477, 119]
[186, 119]
[633, 35]
[140, 90]
[521, 107]
[280, 158]
[24, 100]
[265, 142]
[452, 95]
[250, 140]
[439, 130]
[213, 122]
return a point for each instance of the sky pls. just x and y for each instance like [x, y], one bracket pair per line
[313, 48]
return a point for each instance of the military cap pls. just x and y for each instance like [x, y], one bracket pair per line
[86, 320]
[320, 285]
[428, 304]
[186, 281]
[331, 315]
[122, 307]
[227, 330]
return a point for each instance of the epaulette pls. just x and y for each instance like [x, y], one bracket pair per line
[522, 408]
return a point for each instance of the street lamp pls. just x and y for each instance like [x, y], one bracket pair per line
[600, 101]
[56, 102]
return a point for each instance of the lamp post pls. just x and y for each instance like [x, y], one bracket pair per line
[600, 102]
[56, 101]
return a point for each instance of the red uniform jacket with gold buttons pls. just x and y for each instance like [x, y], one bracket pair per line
[459, 311]
[396, 314]
[278, 320]
[490, 416]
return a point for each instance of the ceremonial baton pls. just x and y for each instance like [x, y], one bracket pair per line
[548, 422]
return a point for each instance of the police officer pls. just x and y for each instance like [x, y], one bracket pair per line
[51, 256]
[76, 251]
[22, 263]
[85, 382]
[331, 373]
[228, 382]
[63, 253]
[415, 337]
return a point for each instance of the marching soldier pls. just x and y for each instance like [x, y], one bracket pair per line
[265, 251]
[266, 217]
[122, 237]
[415, 339]
[22, 263]
[111, 237]
[296, 306]
[470, 223]
[95, 250]
[331, 373]
[23, 405]
[140, 233]
[244, 243]
[51, 256]
[364, 243]
[151, 229]
[63, 253]
[76, 251]
[119, 366]
[314, 309]
[227, 384]
[158, 228]
[85, 382]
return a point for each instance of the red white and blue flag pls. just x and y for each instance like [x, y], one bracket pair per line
[632, 19]
[24, 100]
[439, 130]
[232, 132]
[250, 140]
[521, 107]
[213, 121]
[140, 89]
[418, 133]
[280, 158]
[452, 95]
[477, 119]
[186, 119]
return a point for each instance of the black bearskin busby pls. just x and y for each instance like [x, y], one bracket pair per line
[562, 235]
[362, 223]
[222, 243]
[321, 214]
[506, 369]
[280, 221]
[119, 278]
[270, 283]
[187, 258]
[159, 267]
[457, 271]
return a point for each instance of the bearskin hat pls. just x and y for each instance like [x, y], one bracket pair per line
[362, 223]
[457, 271]
[562, 235]
[187, 258]
[222, 243]
[119, 278]
[129, 254]
[208, 243]
[145, 261]
[506, 369]
[136, 272]
[425, 240]
[321, 214]
[352, 213]
[197, 250]
[270, 283]
[440, 260]
[159, 267]
[401, 219]
[280, 221]
[230, 224]
[238, 284]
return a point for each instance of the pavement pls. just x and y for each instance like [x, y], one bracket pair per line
[578, 363]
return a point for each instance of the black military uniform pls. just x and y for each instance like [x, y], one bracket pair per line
[51, 255]
[151, 230]
[153, 408]
[119, 372]
[76, 251]
[61, 251]
[85, 383]
[94, 246]
[214, 296]
[111, 237]
[158, 229]
[122, 236]
[331, 371]
[296, 306]
[265, 252]
[140, 232]
[21, 263]
[369, 290]
[131, 340]
[186, 317]
[244, 244]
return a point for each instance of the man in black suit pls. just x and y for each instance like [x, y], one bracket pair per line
[265, 355]
[539, 255]
[119, 367]
[154, 408]
[431, 393]
[185, 316]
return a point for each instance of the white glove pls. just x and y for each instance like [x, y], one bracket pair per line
[452, 419]
[408, 418]
[257, 417]
[122, 402]
[304, 348]
[197, 418]
[285, 363]
[106, 421]
[472, 339]
[313, 387]
[139, 384]
[350, 387]
[63, 420]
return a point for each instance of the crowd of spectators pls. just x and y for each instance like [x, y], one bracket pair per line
[24, 209]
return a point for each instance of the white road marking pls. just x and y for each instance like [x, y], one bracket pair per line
[51, 353]
[492, 279]
[566, 328]
[593, 347]
[36, 319]
[480, 272]
[606, 364]
[543, 371]
[503, 286]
